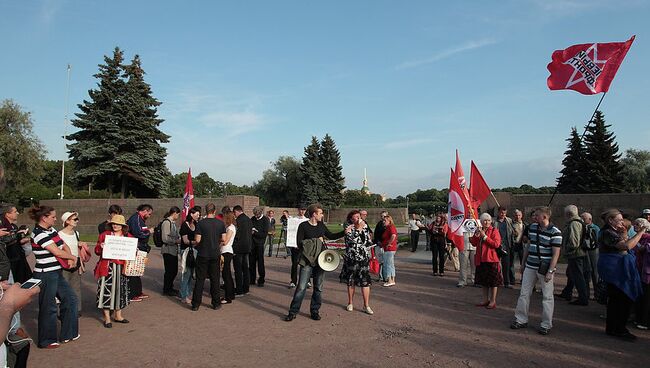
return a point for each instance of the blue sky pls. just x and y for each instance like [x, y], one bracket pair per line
[398, 84]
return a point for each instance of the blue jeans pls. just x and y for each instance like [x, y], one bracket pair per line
[316, 299]
[388, 268]
[186, 283]
[54, 285]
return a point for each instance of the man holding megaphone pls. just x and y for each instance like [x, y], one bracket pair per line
[309, 239]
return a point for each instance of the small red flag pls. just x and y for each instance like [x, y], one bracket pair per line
[461, 176]
[587, 68]
[456, 209]
[478, 188]
[188, 197]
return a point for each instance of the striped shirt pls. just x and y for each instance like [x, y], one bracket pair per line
[544, 240]
[41, 238]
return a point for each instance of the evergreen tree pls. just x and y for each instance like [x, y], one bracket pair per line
[140, 157]
[602, 158]
[331, 172]
[575, 174]
[118, 144]
[310, 171]
[97, 140]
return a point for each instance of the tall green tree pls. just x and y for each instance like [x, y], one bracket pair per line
[311, 174]
[636, 171]
[331, 172]
[602, 158]
[97, 141]
[21, 152]
[574, 176]
[141, 156]
[118, 144]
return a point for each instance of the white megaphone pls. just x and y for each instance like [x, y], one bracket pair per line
[329, 260]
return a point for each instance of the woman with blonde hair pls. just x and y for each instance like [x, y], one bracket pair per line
[227, 254]
[389, 245]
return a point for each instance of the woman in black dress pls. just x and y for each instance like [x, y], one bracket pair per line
[356, 269]
[187, 244]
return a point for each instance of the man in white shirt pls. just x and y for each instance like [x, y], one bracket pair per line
[415, 226]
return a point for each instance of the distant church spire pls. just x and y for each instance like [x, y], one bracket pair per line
[365, 188]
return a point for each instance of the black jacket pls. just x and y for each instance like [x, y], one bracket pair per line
[244, 236]
[262, 226]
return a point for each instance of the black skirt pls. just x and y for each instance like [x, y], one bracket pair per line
[488, 274]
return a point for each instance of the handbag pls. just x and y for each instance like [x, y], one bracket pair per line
[373, 264]
[544, 266]
[600, 292]
[501, 252]
[190, 259]
[136, 266]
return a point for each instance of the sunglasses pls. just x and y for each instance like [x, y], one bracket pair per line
[75, 219]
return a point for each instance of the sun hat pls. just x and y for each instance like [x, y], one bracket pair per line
[118, 220]
[646, 211]
[67, 215]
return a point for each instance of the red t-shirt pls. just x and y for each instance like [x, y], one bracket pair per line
[385, 237]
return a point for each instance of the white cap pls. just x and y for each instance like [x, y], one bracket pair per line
[646, 211]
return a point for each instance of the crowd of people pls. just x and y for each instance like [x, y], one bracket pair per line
[229, 248]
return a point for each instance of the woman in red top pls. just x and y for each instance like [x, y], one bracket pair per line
[488, 268]
[389, 244]
[438, 231]
[112, 285]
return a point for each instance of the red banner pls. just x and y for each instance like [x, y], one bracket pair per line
[188, 197]
[587, 68]
[457, 208]
[478, 188]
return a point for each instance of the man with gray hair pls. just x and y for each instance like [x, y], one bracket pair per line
[578, 270]
[261, 225]
[592, 254]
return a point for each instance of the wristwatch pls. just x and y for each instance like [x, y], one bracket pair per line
[553, 270]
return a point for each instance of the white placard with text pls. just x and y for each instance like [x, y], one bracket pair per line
[120, 247]
[292, 230]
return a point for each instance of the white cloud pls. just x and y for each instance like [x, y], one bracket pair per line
[233, 123]
[406, 143]
[467, 46]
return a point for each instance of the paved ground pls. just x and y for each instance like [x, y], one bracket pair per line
[424, 321]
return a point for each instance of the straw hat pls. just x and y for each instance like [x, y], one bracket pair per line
[118, 220]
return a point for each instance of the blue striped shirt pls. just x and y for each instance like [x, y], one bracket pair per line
[544, 240]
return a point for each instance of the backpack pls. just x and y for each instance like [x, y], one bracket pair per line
[588, 237]
[157, 234]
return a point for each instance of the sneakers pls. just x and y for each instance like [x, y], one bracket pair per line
[349, 308]
[72, 339]
[460, 285]
[136, 299]
[641, 327]
[53, 345]
[309, 285]
[291, 285]
[388, 284]
[368, 310]
[544, 331]
[516, 325]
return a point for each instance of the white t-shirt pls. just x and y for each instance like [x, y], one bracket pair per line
[72, 242]
[227, 248]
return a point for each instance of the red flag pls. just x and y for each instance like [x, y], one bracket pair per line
[456, 209]
[478, 188]
[461, 176]
[188, 197]
[587, 68]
